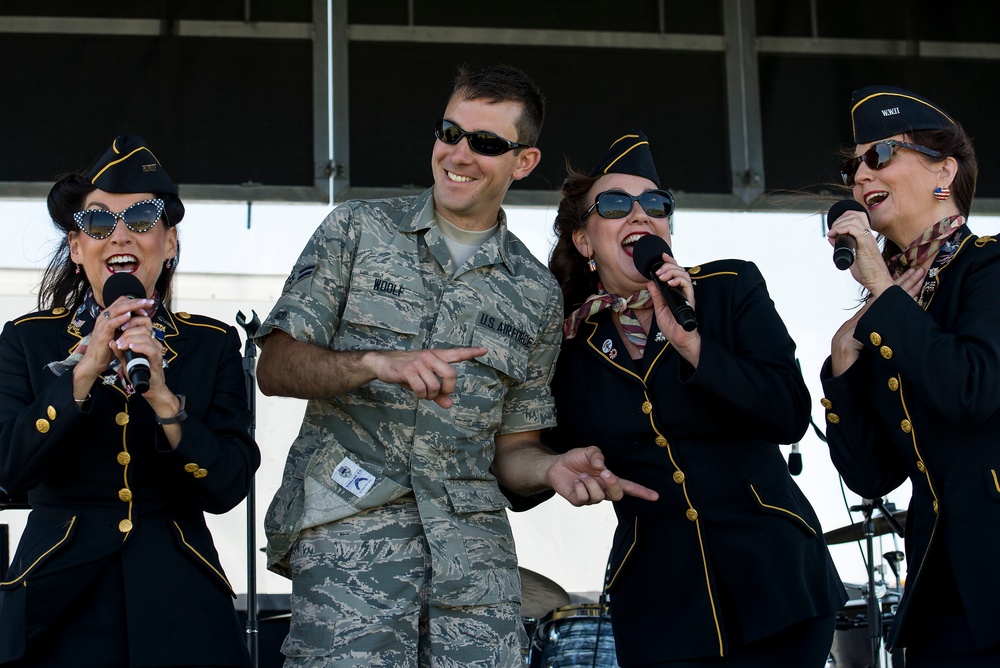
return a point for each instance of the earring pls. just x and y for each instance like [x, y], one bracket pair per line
[77, 272]
[591, 264]
[941, 194]
[169, 263]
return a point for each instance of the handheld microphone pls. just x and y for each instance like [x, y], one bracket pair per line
[846, 246]
[136, 365]
[795, 460]
[647, 254]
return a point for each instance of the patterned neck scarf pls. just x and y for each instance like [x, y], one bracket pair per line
[622, 306]
[83, 321]
[928, 244]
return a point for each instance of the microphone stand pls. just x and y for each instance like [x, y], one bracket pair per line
[249, 353]
[874, 610]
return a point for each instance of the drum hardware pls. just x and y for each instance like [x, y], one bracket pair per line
[874, 614]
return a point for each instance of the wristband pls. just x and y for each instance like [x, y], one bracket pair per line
[181, 414]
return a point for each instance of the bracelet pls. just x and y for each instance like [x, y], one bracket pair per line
[181, 414]
[81, 402]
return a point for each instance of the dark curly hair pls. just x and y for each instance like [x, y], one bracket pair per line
[566, 263]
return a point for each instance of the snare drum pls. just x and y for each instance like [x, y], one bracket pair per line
[574, 636]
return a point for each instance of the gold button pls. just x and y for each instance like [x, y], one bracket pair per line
[678, 477]
[661, 441]
[647, 407]
[191, 468]
[826, 403]
[875, 339]
[906, 426]
[59, 310]
[125, 494]
[833, 418]
[124, 458]
[694, 270]
[691, 514]
[125, 526]
[886, 352]
[121, 419]
[893, 384]
[42, 426]
[183, 315]
[51, 412]
[935, 506]
[200, 473]
[921, 467]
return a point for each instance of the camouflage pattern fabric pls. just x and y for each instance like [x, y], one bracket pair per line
[359, 598]
[377, 275]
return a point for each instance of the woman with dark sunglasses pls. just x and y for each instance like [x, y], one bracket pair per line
[911, 387]
[728, 567]
[116, 565]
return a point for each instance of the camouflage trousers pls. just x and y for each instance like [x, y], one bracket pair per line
[360, 598]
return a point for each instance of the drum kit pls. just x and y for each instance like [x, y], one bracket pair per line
[866, 619]
[563, 634]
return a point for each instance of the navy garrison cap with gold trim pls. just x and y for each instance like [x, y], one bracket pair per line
[128, 166]
[878, 112]
[629, 154]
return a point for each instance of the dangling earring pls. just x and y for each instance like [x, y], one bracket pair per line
[77, 272]
[169, 263]
[941, 194]
[591, 264]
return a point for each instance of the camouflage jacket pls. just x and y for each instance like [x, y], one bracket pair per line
[377, 275]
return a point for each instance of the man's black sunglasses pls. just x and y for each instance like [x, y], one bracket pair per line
[485, 143]
[618, 204]
[878, 156]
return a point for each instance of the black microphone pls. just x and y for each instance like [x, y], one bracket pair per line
[136, 365]
[846, 246]
[795, 460]
[647, 254]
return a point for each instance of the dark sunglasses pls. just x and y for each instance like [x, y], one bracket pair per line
[618, 204]
[485, 143]
[100, 223]
[878, 156]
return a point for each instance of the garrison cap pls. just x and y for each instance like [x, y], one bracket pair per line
[878, 112]
[629, 154]
[128, 166]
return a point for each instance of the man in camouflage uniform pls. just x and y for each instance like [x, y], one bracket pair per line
[424, 335]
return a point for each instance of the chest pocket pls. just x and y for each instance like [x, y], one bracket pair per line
[505, 354]
[379, 310]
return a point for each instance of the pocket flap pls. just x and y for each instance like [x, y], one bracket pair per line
[475, 496]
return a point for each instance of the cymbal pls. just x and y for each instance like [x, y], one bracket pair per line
[540, 595]
[856, 531]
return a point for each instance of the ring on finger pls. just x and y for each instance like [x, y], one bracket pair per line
[107, 315]
[867, 230]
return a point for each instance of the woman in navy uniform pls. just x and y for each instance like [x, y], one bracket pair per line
[116, 566]
[729, 566]
[911, 387]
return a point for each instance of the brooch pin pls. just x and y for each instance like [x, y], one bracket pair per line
[660, 338]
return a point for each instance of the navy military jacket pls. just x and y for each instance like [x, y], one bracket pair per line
[104, 485]
[730, 522]
[923, 402]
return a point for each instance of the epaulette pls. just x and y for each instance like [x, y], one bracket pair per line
[51, 314]
[717, 268]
